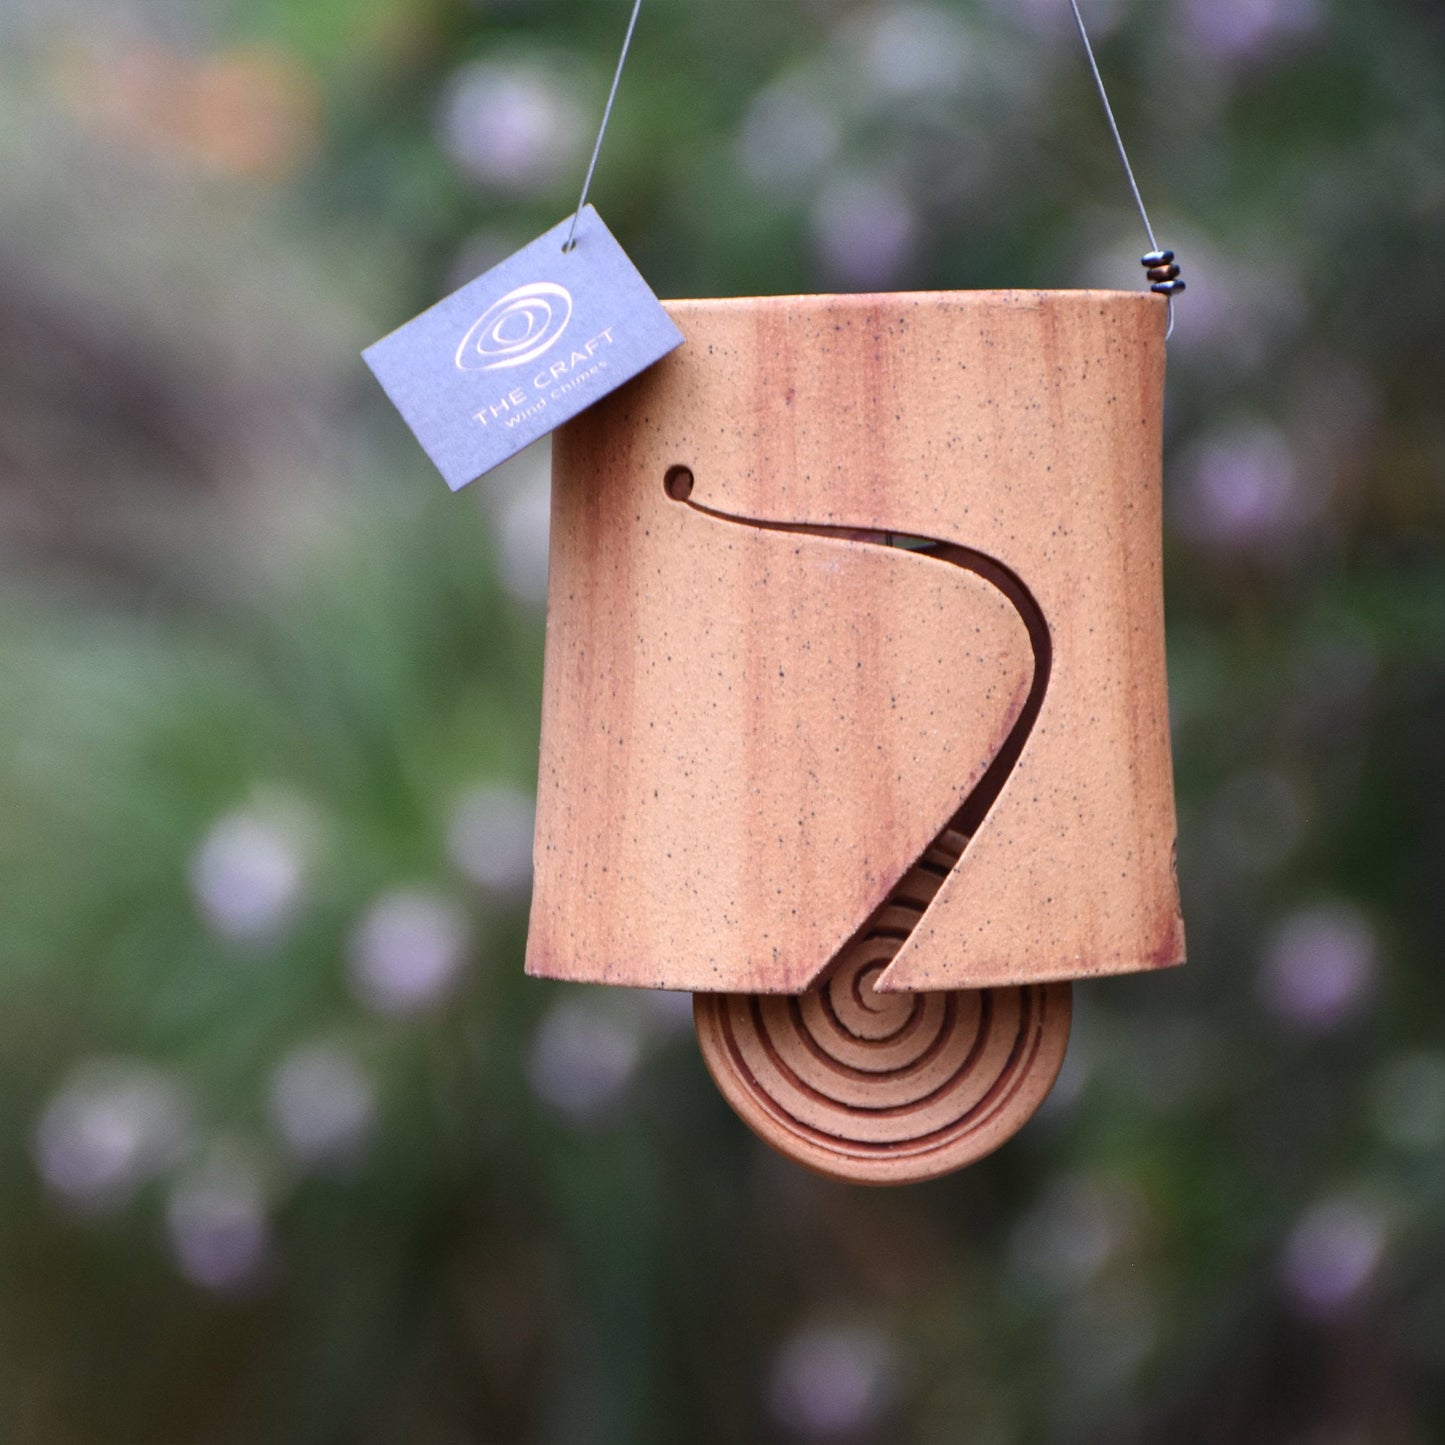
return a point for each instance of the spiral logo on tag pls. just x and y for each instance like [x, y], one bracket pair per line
[517, 329]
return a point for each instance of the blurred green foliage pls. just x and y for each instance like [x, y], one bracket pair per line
[290, 1150]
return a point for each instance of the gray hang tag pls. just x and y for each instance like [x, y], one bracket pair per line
[522, 349]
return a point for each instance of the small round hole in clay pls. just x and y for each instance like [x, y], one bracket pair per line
[677, 483]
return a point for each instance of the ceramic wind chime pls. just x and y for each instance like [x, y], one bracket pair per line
[854, 715]
[855, 722]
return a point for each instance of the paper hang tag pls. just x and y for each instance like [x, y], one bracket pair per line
[522, 349]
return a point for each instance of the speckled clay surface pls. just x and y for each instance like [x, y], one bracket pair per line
[750, 734]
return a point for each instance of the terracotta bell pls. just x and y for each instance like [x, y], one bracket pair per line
[855, 720]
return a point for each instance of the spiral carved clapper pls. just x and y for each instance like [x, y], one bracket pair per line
[855, 721]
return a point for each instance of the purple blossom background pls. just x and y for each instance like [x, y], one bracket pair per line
[290, 1149]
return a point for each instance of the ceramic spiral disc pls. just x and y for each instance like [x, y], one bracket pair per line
[885, 1088]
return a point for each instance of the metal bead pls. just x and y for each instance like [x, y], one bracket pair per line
[1163, 273]
[1168, 288]
[1157, 258]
